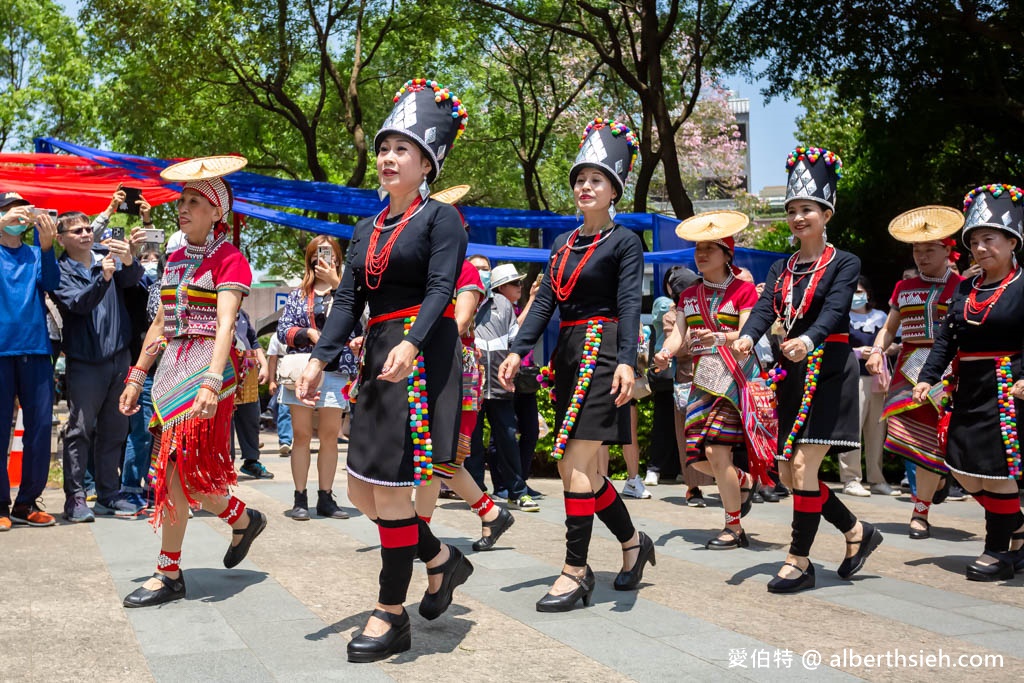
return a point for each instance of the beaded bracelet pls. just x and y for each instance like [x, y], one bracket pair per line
[876, 349]
[212, 381]
[136, 376]
[720, 339]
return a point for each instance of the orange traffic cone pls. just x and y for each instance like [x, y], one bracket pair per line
[14, 459]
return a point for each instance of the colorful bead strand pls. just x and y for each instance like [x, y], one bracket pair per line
[1008, 416]
[419, 419]
[588, 363]
[546, 379]
[810, 386]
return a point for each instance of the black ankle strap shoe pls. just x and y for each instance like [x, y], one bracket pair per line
[170, 590]
[364, 649]
[456, 570]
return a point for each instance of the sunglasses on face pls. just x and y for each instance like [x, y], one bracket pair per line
[77, 231]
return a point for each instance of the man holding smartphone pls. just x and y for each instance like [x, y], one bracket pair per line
[97, 333]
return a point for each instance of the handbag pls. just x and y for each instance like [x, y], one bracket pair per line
[526, 381]
[290, 367]
[641, 388]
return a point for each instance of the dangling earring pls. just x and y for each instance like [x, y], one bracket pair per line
[792, 240]
[611, 212]
[824, 235]
[424, 190]
[578, 214]
[382, 193]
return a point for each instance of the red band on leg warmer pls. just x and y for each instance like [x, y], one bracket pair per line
[483, 506]
[234, 511]
[167, 561]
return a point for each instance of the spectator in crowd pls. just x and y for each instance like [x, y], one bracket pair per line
[138, 448]
[496, 327]
[25, 274]
[662, 453]
[304, 315]
[865, 322]
[524, 400]
[97, 329]
[245, 423]
[275, 349]
[634, 486]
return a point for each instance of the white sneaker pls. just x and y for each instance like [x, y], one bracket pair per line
[883, 489]
[635, 488]
[855, 488]
[652, 478]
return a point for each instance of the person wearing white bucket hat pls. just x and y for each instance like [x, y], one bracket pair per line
[504, 274]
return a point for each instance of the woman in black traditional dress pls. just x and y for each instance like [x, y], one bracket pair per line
[810, 293]
[594, 280]
[983, 337]
[403, 263]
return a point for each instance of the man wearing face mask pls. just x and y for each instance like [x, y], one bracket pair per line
[97, 333]
[25, 370]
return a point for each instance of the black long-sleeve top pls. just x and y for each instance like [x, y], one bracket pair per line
[829, 311]
[425, 261]
[1001, 332]
[610, 285]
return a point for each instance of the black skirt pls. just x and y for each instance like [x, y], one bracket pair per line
[834, 418]
[380, 449]
[975, 443]
[599, 419]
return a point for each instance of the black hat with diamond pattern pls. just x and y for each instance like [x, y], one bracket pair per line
[813, 174]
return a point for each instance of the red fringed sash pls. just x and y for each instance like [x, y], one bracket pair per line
[201, 450]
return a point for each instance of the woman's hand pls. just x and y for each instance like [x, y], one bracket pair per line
[622, 383]
[875, 363]
[743, 346]
[144, 208]
[707, 338]
[205, 404]
[356, 344]
[921, 390]
[508, 370]
[129, 401]
[1017, 390]
[399, 362]
[264, 374]
[327, 273]
[794, 350]
[306, 389]
[662, 359]
[47, 231]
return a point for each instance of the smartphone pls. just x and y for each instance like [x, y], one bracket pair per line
[154, 235]
[117, 234]
[131, 196]
[325, 254]
[52, 213]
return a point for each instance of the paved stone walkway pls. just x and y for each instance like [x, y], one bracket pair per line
[286, 613]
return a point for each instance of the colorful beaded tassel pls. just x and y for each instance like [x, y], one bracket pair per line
[1008, 416]
[588, 363]
[810, 386]
[419, 419]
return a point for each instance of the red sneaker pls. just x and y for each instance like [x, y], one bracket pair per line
[31, 515]
[5, 522]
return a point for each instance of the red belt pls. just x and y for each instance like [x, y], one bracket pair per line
[595, 319]
[405, 313]
[838, 338]
[984, 355]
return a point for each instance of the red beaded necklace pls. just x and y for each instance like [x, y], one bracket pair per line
[971, 305]
[783, 306]
[564, 291]
[377, 263]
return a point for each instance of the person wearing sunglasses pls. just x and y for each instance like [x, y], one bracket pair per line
[97, 331]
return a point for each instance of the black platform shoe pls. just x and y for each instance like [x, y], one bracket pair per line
[171, 590]
[918, 534]
[364, 649]
[628, 581]
[566, 601]
[502, 523]
[738, 540]
[1018, 554]
[870, 539]
[769, 495]
[456, 570]
[1000, 570]
[798, 583]
[237, 553]
[748, 500]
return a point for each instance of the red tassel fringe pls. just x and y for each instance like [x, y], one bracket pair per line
[202, 451]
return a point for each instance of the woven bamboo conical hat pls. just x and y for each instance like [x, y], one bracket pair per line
[926, 224]
[712, 225]
[203, 168]
[451, 194]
